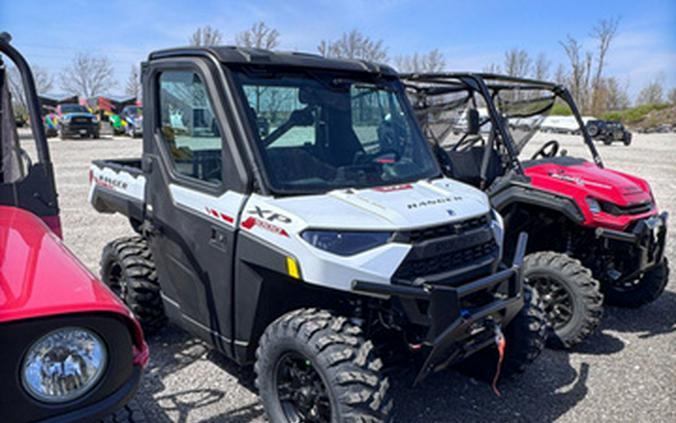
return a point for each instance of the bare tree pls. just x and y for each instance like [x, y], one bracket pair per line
[560, 76]
[492, 68]
[206, 36]
[44, 81]
[517, 63]
[672, 96]
[580, 68]
[612, 95]
[653, 93]
[133, 87]
[541, 68]
[88, 75]
[603, 33]
[354, 45]
[258, 36]
[432, 61]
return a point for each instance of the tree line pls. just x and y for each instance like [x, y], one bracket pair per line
[90, 75]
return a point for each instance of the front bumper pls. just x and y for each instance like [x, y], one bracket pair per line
[70, 129]
[456, 330]
[646, 240]
[108, 405]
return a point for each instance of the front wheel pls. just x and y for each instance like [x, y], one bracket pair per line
[313, 366]
[571, 296]
[639, 292]
[525, 339]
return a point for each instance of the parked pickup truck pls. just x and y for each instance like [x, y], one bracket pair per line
[70, 351]
[290, 212]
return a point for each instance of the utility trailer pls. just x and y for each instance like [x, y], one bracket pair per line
[290, 212]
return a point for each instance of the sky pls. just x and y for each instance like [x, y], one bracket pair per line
[470, 34]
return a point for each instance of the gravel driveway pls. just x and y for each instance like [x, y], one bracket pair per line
[626, 372]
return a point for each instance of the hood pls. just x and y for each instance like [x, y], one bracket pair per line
[585, 177]
[394, 207]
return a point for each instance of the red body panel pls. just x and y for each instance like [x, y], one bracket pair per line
[40, 277]
[580, 181]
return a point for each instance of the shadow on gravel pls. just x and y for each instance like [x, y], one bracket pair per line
[171, 351]
[543, 393]
[654, 319]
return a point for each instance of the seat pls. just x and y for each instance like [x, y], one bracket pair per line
[466, 165]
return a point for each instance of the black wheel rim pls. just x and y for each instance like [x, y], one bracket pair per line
[116, 281]
[301, 390]
[556, 299]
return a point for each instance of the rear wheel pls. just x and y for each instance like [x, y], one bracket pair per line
[127, 267]
[639, 292]
[570, 295]
[525, 339]
[313, 366]
[593, 130]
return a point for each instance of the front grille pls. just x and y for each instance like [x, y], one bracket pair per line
[441, 231]
[412, 269]
[633, 209]
[80, 121]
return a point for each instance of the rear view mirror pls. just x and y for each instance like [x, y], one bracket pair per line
[473, 122]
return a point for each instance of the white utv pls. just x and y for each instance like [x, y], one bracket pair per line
[290, 213]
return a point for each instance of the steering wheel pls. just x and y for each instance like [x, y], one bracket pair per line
[549, 149]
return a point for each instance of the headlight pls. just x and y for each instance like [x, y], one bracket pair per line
[594, 205]
[64, 365]
[66, 119]
[346, 243]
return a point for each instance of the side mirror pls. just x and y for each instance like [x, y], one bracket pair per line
[473, 122]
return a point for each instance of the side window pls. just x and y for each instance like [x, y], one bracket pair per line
[188, 126]
[271, 107]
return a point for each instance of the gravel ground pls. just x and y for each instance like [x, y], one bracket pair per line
[625, 372]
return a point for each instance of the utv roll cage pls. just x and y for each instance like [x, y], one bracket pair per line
[488, 85]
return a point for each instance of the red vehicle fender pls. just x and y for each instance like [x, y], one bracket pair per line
[40, 277]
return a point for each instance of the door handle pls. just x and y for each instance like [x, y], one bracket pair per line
[218, 238]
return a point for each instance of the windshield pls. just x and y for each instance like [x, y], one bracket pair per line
[535, 117]
[73, 108]
[454, 115]
[132, 111]
[318, 131]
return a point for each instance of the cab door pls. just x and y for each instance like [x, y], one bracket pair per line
[194, 194]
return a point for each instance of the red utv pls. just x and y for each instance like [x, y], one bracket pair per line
[69, 350]
[579, 215]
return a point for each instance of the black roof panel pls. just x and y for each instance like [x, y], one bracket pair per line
[254, 56]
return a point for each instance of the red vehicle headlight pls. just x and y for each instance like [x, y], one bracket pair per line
[64, 365]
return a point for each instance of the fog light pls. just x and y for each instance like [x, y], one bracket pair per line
[64, 365]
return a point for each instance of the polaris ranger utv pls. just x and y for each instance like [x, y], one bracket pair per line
[290, 212]
[578, 214]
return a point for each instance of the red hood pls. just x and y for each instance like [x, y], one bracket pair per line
[585, 179]
[40, 277]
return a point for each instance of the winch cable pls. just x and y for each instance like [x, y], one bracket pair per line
[500, 343]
